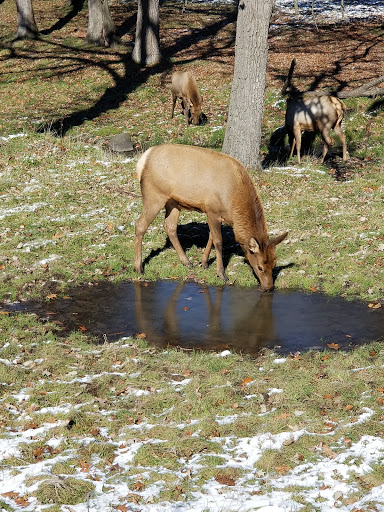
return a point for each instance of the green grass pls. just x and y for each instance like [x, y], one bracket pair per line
[67, 213]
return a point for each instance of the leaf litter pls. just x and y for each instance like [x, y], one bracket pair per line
[323, 484]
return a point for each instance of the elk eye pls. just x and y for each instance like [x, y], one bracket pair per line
[260, 268]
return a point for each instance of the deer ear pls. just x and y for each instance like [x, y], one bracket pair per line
[278, 239]
[254, 247]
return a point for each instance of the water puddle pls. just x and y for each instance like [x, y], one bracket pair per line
[190, 315]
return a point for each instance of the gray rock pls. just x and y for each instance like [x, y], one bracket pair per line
[121, 143]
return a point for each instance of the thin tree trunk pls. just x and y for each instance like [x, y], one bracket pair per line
[101, 29]
[147, 44]
[26, 25]
[243, 132]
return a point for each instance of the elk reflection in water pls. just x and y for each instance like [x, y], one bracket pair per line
[206, 317]
[211, 318]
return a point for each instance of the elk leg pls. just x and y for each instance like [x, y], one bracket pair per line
[186, 109]
[293, 144]
[147, 216]
[327, 142]
[297, 139]
[170, 225]
[174, 98]
[340, 133]
[217, 239]
[207, 252]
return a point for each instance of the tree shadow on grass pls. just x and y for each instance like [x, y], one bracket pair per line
[130, 79]
[76, 7]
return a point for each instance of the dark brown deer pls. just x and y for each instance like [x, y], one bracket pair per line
[318, 113]
[192, 178]
[184, 86]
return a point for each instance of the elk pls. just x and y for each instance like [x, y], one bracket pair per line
[318, 113]
[193, 178]
[184, 86]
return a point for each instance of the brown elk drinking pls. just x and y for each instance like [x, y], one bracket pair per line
[314, 113]
[193, 178]
[184, 86]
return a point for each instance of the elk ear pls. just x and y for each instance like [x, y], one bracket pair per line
[278, 239]
[254, 247]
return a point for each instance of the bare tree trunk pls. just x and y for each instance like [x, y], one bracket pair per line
[243, 132]
[101, 29]
[147, 43]
[26, 25]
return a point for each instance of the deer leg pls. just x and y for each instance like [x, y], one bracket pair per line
[297, 139]
[174, 98]
[327, 142]
[147, 216]
[170, 225]
[217, 239]
[186, 109]
[207, 251]
[340, 133]
[293, 144]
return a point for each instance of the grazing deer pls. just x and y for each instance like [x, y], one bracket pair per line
[184, 86]
[193, 178]
[318, 113]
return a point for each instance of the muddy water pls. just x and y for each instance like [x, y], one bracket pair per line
[195, 316]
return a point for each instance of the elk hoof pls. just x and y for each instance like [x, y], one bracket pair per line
[223, 276]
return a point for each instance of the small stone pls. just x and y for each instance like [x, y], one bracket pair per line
[121, 143]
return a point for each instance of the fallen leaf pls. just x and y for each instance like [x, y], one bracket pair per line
[245, 381]
[82, 328]
[141, 335]
[283, 469]
[85, 466]
[22, 501]
[51, 296]
[225, 480]
[328, 452]
[348, 407]
[335, 346]
[374, 305]
[186, 308]
[57, 236]
[328, 397]
[380, 400]
[123, 508]
[10, 494]
[139, 486]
